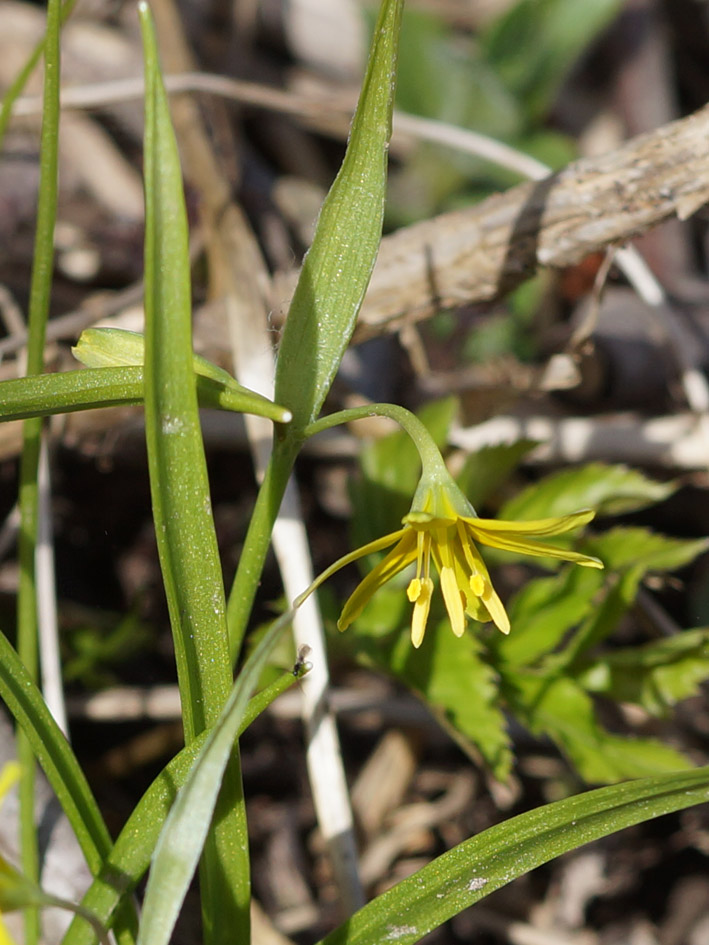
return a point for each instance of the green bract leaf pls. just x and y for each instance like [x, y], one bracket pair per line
[610, 490]
[69, 391]
[655, 676]
[115, 347]
[474, 869]
[337, 269]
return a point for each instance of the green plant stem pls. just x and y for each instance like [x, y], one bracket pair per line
[257, 541]
[270, 495]
[40, 288]
[20, 81]
[421, 438]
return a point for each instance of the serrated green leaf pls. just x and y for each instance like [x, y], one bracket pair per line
[487, 469]
[544, 611]
[557, 707]
[474, 869]
[620, 593]
[655, 676]
[447, 672]
[610, 490]
[622, 548]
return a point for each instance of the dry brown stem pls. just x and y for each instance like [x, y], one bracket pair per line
[476, 255]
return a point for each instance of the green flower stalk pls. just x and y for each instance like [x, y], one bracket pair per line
[443, 527]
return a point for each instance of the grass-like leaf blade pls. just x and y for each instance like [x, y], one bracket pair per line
[477, 867]
[180, 843]
[184, 525]
[337, 269]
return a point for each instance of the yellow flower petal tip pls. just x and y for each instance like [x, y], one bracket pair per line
[443, 528]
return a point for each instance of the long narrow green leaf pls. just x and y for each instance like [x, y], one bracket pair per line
[114, 347]
[178, 476]
[181, 840]
[68, 391]
[477, 867]
[130, 857]
[184, 525]
[327, 299]
[27, 706]
[337, 269]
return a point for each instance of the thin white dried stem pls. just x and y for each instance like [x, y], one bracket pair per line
[253, 356]
[48, 629]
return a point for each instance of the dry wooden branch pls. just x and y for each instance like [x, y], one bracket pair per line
[477, 254]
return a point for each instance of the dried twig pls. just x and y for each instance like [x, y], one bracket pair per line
[477, 254]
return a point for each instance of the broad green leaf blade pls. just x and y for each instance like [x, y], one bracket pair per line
[610, 490]
[559, 708]
[129, 858]
[655, 676]
[114, 347]
[477, 867]
[337, 269]
[544, 611]
[624, 548]
[181, 840]
[184, 526]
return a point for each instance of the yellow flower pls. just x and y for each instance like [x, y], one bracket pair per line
[8, 776]
[442, 526]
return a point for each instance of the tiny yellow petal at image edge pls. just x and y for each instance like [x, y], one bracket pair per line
[5, 937]
[449, 540]
[8, 776]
